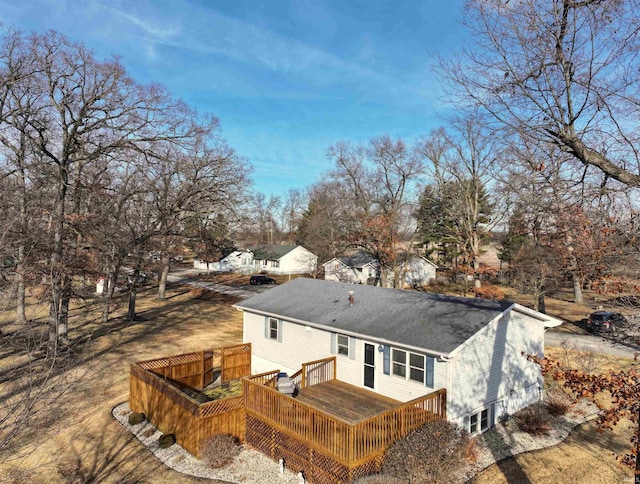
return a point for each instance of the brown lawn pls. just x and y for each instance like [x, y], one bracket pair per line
[76, 431]
[587, 455]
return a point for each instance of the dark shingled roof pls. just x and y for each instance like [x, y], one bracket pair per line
[271, 252]
[358, 259]
[434, 322]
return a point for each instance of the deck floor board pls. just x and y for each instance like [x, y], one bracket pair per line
[345, 401]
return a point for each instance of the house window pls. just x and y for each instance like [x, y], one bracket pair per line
[399, 366]
[479, 422]
[416, 367]
[410, 366]
[273, 328]
[342, 344]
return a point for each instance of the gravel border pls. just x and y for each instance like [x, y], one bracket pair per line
[507, 440]
[249, 466]
[502, 441]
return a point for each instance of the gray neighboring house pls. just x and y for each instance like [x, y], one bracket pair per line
[404, 344]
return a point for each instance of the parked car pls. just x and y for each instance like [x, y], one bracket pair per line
[605, 321]
[260, 279]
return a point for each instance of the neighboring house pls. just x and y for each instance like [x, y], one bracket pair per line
[283, 259]
[363, 268]
[414, 270]
[236, 261]
[358, 268]
[275, 259]
[404, 344]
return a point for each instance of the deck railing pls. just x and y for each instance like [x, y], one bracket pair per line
[347, 443]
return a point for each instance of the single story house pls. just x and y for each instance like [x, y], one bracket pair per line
[414, 270]
[404, 344]
[283, 259]
[236, 261]
[358, 268]
[275, 259]
[363, 268]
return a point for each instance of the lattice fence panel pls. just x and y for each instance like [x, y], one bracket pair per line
[220, 406]
[298, 456]
[258, 435]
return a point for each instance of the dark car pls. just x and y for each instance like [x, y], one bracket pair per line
[261, 279]
[605, 321]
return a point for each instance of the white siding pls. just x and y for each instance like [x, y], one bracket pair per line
[299, 260]
[301, 344]
[490, 368]
[404, 390]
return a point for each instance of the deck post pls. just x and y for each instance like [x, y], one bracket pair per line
[303, 382]
[202, 380]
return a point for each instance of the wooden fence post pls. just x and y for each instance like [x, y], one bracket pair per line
[202, 380]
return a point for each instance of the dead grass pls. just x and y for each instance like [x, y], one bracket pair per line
[587, 455]
[78, 426]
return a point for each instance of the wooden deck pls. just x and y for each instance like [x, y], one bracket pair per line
[345, 401]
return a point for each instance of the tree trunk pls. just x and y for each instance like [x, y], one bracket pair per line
[63, 317]
[577, 288]
[58, 219]
[162, 286]
[133, 294]
[21, 289]
[541, 303]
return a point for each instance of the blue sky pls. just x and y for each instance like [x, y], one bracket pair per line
[287, 79]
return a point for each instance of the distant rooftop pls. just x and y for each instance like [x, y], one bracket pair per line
[271, 252]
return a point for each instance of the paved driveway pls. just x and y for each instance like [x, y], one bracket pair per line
[189, 277]
[592, 343]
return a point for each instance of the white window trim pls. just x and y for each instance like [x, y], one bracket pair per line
[344, 347]
[476, 428]
[271, 328]
[395, 363]
[407, 365]
[423, 369]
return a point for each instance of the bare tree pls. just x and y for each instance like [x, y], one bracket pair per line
[378, 179]
[82, 124]
[461, 166]
[561, 72]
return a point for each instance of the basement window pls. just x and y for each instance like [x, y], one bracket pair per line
[479, 422]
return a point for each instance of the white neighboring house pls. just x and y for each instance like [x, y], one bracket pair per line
[363, 268]
[358, 268]
[274, 259]
[404, 344]
[283, 259]
[414, 271]
[236, 261]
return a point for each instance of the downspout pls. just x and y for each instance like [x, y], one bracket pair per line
[447, 360]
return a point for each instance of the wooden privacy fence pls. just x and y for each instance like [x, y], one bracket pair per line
[156, 388]
[199, 369]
